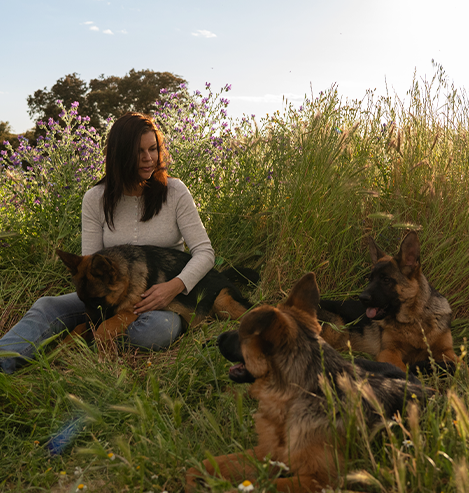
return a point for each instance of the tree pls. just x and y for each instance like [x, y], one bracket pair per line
[103, 97]
[136, 91]
[43, 103]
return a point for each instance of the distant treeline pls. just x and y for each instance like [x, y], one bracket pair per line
[100, 99]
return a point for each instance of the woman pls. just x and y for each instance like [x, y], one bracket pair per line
[135, 203]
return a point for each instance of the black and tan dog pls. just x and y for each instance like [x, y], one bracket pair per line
[111, 281]
[399, 318]
[292, 370]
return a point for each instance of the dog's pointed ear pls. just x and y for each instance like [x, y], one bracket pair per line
[408, 257]
[104, 268]
[375, 252]
[305, 294]
[70, 260]
[268, 325]
[260, 319]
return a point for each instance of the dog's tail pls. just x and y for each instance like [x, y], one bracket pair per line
[241, 275]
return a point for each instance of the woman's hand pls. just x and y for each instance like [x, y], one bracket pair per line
[159, 296]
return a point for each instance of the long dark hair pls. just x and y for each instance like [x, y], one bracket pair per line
[122, 153]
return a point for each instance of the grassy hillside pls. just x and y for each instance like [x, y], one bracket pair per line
[298, 191]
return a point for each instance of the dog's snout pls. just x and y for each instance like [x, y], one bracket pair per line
[221, 337]
[229, 346]
[364, 297]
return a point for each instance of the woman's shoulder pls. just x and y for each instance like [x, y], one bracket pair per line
[175, 185]
[93, 194]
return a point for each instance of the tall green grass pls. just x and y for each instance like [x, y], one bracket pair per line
[294, 192]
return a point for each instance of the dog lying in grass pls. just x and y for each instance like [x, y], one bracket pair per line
[304, 388]
[111, 281]
[399, 318]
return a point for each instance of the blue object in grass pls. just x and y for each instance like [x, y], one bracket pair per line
[64, 437]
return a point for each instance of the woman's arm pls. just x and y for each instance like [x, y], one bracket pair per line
[190, 226]
[203, 256]
[92, 219]
[196, 239]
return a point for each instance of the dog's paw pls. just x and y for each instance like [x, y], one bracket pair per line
[194, 481]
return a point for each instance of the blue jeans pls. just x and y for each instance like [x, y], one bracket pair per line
[51, 315]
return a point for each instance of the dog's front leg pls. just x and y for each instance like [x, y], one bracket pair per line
[391, 356]
[233, 467]
[112, 328]
[299, 484]
[79, 330]
[238, 467]
[442, 348]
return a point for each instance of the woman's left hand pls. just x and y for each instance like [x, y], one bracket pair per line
[159, 296]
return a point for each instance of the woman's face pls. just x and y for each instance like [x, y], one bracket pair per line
[147, 155]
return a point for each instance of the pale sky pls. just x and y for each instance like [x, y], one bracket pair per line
[265, 49]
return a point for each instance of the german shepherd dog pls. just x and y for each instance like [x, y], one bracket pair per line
[399, 318]
[111, 281]
[292, 370]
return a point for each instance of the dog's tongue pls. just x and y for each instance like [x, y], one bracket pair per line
[237, 371]
[371, 312]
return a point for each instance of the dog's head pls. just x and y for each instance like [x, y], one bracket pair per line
[94, 276]
[393, 279]
[270, 338]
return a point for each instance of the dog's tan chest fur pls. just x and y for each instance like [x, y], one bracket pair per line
[414, 339]
[271, 420]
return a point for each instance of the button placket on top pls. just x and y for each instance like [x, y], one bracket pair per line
[136, 221]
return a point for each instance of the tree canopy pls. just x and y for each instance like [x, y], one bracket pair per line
[103, 97]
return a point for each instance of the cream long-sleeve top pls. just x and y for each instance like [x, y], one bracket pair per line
[177, 222]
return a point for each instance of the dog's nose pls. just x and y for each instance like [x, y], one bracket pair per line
[364, 297]
[223, 336]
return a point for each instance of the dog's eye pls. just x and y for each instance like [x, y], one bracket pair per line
[386, 280]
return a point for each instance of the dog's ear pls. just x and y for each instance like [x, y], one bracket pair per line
[260, 332]
[256, 321]
[408, 257]
[104, 268]
[70, 260]
[305, 294]
[267, 325]
[375, 252]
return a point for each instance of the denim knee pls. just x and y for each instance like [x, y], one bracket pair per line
[58, 312]
[155, 330]
[43, 307]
